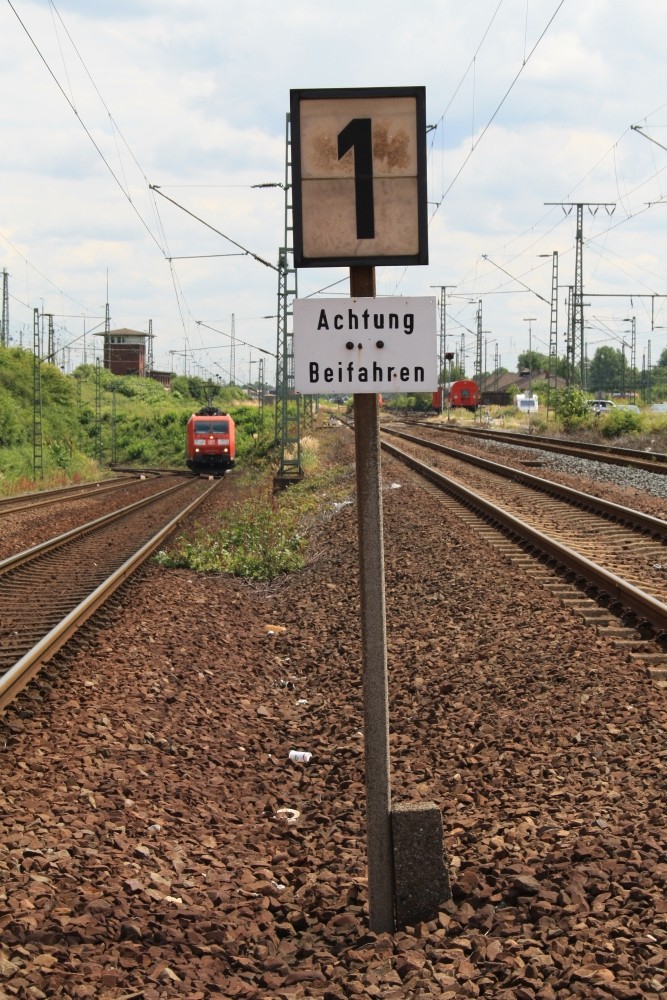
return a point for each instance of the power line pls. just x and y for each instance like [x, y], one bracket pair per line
[163, 247]
[156, 187]
[639, 130]
[97, 91]
[245, 343]
[470, 64]
[502, 101]
[203, 256]
[604, 233]
[40, 273]
[84, 126]
[527, 287]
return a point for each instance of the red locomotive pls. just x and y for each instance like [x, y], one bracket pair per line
[463, 393]
[210, 441]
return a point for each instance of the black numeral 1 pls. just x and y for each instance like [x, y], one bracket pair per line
[357, 136]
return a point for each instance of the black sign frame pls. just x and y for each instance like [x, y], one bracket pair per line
[297, 97]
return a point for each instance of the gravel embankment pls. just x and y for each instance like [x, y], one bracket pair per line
[143, 852]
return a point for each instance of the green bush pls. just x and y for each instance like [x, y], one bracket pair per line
[571, 408]
[60, 455]
[618, 423]
[263, 537]
[13, 427]
[57, 389]
[15, 465]
[538, 424]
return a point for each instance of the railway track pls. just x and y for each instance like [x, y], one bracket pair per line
[82, 491]
[632, 458]
[38, 518]
[49, 591]
[610, 560]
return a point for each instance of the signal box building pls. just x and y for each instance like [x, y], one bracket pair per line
[125, 351]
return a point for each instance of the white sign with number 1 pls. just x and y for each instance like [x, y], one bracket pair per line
[358, 176]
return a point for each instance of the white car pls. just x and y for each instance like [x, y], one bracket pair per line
[600, 405]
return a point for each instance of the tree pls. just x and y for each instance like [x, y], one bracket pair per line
[606, 370]
[457, 372]
[570, 405]
[533, 361]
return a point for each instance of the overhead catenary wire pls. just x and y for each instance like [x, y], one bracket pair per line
[493, 116]
[595, 238]
[116, 131]
[156, 188]
[236, 339]
[518, 52]
[124, 187]
[474, 143]
[180, 297]
[85, 128]
[62, 54]
[470, 65]
[29, 264]
[114, 124]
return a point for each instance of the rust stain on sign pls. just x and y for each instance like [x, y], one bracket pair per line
[324, 150]
[391, 150]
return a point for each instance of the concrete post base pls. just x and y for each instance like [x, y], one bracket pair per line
[420, 862]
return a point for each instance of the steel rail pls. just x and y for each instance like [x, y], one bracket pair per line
[12, 562]
[15, 679]
[30, 501]
[647, 608]
[648, 461]
[626, 515]
[154, 471]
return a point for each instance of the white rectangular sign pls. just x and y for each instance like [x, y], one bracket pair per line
[365, 345]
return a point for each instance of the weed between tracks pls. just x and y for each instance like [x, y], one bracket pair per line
[253, 540]
[265, 535]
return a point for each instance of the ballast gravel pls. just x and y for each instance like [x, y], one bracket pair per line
[156, 839]
[647, 491]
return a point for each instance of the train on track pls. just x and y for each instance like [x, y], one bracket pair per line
[464, 394]
[210, 441]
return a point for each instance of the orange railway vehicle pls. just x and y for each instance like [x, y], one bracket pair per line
[210, 441]
[463, 393]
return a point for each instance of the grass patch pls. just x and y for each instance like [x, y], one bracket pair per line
[267, 535]
[252, 540]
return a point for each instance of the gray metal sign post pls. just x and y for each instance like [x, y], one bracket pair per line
[374, 643]
[359, 177]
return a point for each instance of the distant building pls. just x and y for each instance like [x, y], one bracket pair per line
[523, 381]
[164, 378]
[499, 390]
[125, 351]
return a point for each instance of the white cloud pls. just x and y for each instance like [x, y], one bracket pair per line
[199, 89]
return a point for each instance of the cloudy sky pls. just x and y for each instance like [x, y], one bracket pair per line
[528, 102]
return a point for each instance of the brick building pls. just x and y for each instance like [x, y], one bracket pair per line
[125, 351]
